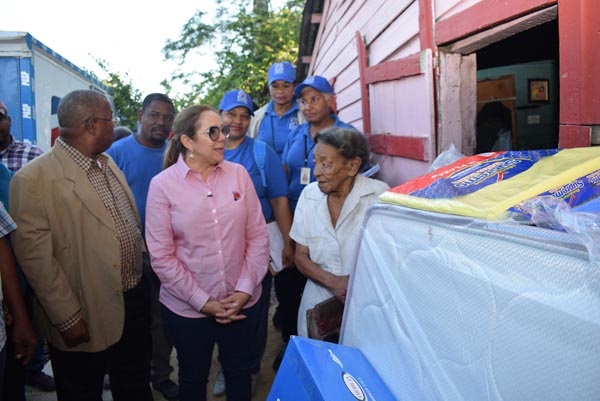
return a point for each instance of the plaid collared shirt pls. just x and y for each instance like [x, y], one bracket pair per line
[121, 210]
[18, 154]
[7, 225]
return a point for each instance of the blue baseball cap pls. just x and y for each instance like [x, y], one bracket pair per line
[316, 82]
[236, 98]
[282, 71]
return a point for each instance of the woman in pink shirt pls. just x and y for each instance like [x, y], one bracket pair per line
[209, 246]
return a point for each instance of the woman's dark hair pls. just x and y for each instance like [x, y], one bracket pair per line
[349, 142]
[185, 124]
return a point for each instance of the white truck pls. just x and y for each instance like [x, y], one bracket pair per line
[33, 79]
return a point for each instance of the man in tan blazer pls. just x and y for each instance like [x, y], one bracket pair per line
[80, 246]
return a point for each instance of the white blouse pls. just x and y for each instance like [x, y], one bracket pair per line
[333, 249]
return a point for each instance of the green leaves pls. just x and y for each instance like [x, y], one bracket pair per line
[194, 34]
[128, 100]
[242, 37]
[244, 40]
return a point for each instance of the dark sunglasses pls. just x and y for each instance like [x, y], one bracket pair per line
[215, 132]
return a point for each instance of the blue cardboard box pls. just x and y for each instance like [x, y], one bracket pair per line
[314, 370]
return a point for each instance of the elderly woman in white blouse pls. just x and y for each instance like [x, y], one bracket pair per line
[328, 216]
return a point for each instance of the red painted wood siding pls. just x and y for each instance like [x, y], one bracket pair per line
[364, 85]
[483, 15]
[391, 145]
[393, 70]
[426, 24]
[396, 145]
[579, 40]
[574, 136]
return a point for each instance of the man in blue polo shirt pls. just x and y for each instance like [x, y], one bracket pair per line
[140, 157]
[316, 100]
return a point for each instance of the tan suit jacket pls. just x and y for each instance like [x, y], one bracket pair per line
[67, 245]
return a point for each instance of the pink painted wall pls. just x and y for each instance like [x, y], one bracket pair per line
[390, 29]
[404, 107]
[408, 106]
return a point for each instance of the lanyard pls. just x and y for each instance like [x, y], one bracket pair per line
[306, 150]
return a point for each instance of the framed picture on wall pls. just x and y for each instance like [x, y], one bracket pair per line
[538, 91]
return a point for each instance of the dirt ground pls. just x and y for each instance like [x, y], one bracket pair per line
[263, 383]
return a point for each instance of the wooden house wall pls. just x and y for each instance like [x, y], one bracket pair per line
[403, 107]
[410, 105]
[399, 39]
[390, 29]
[447, 8]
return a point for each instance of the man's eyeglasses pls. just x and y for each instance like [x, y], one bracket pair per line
[114, 120]
[215, 132]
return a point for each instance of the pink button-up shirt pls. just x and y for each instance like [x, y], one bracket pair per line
[205, 238]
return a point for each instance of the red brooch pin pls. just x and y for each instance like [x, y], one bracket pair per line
[236, 195]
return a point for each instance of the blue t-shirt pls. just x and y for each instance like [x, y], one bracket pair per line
[5, 177]
[139, 164]
[275, 175]
[298, 153]
[274, 130]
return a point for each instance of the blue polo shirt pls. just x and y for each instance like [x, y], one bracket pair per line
[274, 130]
[139, 164]
[275, 175]
[298, 153]
[5, 177]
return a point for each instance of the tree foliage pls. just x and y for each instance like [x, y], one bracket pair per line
[244, 38]
[128, 100]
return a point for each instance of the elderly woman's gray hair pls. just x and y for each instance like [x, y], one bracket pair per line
[349, 142]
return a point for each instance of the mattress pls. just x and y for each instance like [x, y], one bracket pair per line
[487, 185]
[453, 308]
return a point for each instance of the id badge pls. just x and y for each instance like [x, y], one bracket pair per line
[305, 175]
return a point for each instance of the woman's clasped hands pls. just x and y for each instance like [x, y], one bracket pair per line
[228, 309]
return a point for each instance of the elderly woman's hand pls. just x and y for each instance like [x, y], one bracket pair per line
[338, 285]
[287, 255]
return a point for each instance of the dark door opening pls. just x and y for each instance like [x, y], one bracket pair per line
[529, 62]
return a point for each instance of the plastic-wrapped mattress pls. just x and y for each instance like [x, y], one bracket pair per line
[453, 308]
[490, 184]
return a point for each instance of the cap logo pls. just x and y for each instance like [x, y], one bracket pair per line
[278, 68]
[242, 97]
[309, 80]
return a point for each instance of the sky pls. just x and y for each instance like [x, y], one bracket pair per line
[129, 35]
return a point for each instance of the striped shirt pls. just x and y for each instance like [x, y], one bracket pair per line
[18, 154]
